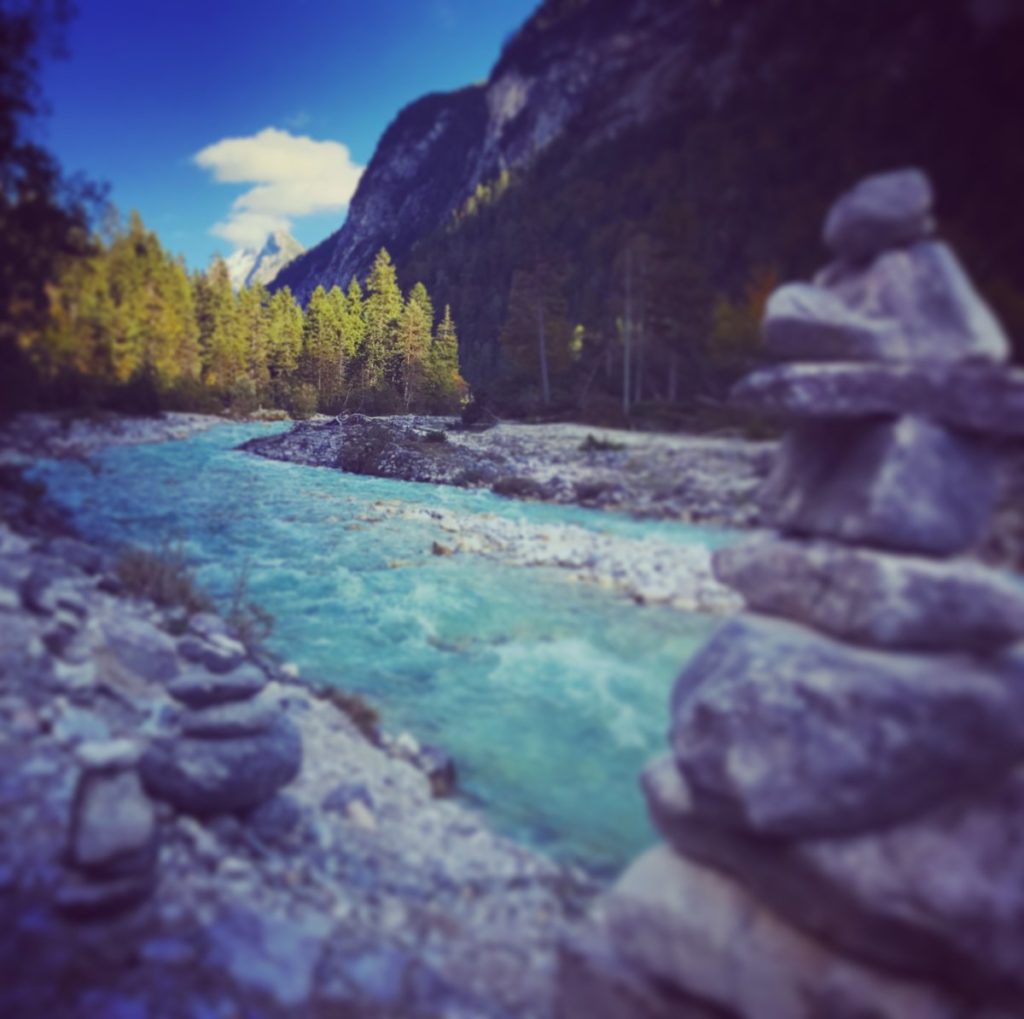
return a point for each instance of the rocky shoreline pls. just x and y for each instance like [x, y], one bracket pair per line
[143, 873]
[655, 476]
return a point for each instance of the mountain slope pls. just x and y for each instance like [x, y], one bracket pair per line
[249, 266]
[676, 154]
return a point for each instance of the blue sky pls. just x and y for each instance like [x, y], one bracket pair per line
[286, 102]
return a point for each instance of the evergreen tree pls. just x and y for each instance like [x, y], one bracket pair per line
[446, 386]
[414, 330]
[284, 339]
[222, 345]
[381, 311]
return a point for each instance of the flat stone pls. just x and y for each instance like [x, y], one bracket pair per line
[200, 689]
[83, 899]
[223, 721]
[142, 648]
[876, 598]
[927, 293]
[882, 211]
[207, 625]
[807, 322]
[974, 397]
[959, 919]
[109, 755]
[113, 825]
[218, 653]
[693, 928]
[780, 731]
[906, 484]
[206, 776]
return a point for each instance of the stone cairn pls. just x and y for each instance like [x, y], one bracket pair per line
[227, 750]
[843, 807]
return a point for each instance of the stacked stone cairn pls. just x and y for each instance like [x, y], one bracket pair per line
[226, 750]
[843, 806]
[233, 749]
[113, 840]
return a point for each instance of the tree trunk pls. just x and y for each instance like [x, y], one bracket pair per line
[542, 351]
[627, 331]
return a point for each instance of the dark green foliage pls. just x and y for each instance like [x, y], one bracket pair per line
[668, 238]
[43, 216]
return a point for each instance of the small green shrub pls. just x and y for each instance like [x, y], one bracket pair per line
[363, 715]
[163, 576]
[252, 623]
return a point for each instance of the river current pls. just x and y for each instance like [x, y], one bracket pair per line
[550, 695]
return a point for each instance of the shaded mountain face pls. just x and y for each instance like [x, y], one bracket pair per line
[680, 151]
[250, 266]
[607, 55]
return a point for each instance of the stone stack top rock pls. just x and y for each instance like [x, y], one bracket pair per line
[894, 294]
[881, 212]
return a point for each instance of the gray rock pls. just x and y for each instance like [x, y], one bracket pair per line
[876, 598]
[439, 767]
[204, 776]
[882, 211]
[82, 898]
[109, 756]
[224, 721]
[142, 648]
[269, 953]
[218, 653]
[958, 920]
[906, 484]
[594, 982]
[807, 322]
[200, 689]
[86, 557]
[342, 796]
[113, 824]
[975, 397]
[280, 822]
[206, 625]
[50, 587]
[783, 732]
[693, 928]
[926, 291]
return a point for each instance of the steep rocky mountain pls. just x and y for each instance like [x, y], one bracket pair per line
[617, 59]
[672, 154]
[248, 266]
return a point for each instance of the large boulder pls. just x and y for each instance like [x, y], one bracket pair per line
[976, 397]
[783, 732]
[882, 211]
[210, 776]
[142, 648]
[959, 919]
[907, 484]
[690, 927]
[876, 598]
[925, 291]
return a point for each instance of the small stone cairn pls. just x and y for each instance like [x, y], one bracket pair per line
[843, 806]
[227, 750]
[233, 749]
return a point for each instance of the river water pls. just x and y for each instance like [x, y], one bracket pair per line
[551, 695]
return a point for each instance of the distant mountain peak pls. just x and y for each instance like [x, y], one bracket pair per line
[252, 265]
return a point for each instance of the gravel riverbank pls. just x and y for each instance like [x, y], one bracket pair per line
[352, 890]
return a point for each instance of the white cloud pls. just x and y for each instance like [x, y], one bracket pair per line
[293, 176]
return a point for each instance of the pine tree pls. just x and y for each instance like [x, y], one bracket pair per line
[381, 311]
[414, 328]
[445, 385]
[221, 342]
[284, 341]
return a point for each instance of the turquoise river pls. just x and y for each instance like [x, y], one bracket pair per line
[550, 695]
